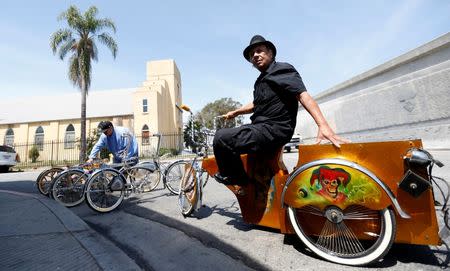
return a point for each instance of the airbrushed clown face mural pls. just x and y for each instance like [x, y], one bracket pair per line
[328, 181]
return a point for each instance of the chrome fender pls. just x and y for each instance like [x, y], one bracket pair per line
[100, 170]
[147, 164]
[337, 182]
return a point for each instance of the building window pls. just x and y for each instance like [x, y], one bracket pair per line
[69, 137]
[9, 137]
[145, 135]
[39, 138]
[144, 106]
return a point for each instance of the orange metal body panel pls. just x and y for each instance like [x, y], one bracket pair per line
[261, 204]
[385, 160]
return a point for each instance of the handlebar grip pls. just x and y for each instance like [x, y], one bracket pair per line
[185, 108]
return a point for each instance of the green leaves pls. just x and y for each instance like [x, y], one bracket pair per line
[79, 40]
[218, 108]
[107, 40]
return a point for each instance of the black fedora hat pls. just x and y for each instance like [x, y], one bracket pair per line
[258, 40]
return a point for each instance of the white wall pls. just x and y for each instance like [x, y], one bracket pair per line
[407, 97]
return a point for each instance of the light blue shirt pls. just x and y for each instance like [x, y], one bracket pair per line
[116, 144]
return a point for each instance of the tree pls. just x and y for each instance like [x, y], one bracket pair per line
[79, 40]
[198, 136]
[205, 119]
[90, 142]
[218, 108]
[33, 153]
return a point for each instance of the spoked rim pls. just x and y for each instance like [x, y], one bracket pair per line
[187, 198]
[354, 236]
[99, 195]
[174, 174]
[45, 180]
[144, 179]
[68, 188]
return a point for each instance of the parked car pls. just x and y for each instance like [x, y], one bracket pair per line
[294, 143]
[8, 158]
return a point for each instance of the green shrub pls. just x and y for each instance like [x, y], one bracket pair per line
[90, 142]
[33, 153]
[163, 151]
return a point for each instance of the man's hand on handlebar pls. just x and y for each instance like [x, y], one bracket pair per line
[230, 115]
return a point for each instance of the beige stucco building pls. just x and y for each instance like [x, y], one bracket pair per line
[53, 123]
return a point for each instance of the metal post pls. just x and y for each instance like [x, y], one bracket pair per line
[51, 156]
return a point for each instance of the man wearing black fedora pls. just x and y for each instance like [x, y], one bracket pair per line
[277, 91]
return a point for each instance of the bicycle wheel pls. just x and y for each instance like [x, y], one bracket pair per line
[173, 175]
[44, 180]
[188, 195]
[354, 236]
[68, 187]
[144, 179]
[99, 194]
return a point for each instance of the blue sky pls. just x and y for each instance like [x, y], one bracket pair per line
[327, 41]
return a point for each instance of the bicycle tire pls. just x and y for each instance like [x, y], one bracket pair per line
[99, 195]
[173, 174]
[45, 180]
[189, 192]
[68, 187]
[144, 178]
[359, 236]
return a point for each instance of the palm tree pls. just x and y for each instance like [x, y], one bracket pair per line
[79, 41]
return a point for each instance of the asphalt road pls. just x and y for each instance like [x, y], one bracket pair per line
[151, 230]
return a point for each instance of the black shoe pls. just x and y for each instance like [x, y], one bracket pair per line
[220, 179]
[242, 180]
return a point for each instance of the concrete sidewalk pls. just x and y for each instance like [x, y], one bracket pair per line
[37, 233]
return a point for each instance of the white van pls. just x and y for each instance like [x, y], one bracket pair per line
[8, 158]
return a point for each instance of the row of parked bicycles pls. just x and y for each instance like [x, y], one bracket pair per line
[347, 205]
[104, 186]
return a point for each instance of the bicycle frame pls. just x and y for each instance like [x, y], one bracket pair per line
[193, 192]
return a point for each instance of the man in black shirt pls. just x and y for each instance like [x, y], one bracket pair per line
[276, 94]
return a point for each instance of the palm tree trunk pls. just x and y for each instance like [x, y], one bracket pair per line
[83, 124]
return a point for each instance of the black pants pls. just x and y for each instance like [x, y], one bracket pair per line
[230, 143]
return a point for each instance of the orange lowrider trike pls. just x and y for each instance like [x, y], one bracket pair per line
[347, 205]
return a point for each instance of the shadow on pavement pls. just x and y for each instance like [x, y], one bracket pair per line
[405, 253]
[204, 237]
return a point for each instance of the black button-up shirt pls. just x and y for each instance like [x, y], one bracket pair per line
[275, 102]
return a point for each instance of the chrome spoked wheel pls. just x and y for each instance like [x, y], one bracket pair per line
[173, 175]
[68, 187]
[144, 179]
[45, 179]
[354, 236]
[105, 190]
[188, 195]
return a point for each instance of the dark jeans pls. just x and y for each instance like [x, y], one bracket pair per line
[230, 143]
